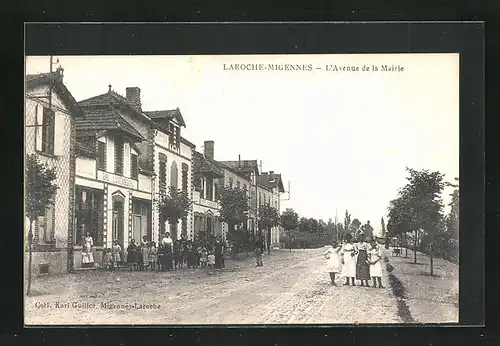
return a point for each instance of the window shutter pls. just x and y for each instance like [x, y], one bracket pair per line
[101, 156]
[39, 127]
[134, 172]
[60, 134]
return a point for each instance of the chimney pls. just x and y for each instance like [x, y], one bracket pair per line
[239, 161]
[134, 97]
[208, 149]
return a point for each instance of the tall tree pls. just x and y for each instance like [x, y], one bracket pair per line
[355, 228]
[289, 222]
[268, 218]
[234, 211]
[419, 206]
[347, 221]
[367, 230]
[304, 225]
[40, 192]
[173, 207]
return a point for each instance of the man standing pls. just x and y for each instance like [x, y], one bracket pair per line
[258, 251]
[219, 253]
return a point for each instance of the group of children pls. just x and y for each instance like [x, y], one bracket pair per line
[359, 260]
[148, 256]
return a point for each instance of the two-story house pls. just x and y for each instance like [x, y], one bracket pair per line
[243, 174]
[162, 151]
[207, 175]
[113, 194]
[50, 112]
[270, 188]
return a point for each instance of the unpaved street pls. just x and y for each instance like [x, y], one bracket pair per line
[292, 287]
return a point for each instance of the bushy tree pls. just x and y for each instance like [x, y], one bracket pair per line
[419, 207]
[173, 207]
[347, 221]
[289, 222]
[40, 192]
[234, 211]
[268, 217]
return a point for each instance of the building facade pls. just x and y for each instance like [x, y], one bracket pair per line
[113, 193]
[206, 208]
[270, 188]
[50, 111]
[162, 151]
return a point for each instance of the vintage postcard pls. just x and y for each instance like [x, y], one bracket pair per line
[241, 189]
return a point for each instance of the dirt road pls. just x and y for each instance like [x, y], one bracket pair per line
[291, 288]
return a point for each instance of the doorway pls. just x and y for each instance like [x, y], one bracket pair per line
[118, 222]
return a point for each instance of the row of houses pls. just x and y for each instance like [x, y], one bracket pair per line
[113, 160]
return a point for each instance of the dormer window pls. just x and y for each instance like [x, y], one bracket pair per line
[175, 135]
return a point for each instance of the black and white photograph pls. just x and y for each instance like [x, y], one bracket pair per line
[290, 189]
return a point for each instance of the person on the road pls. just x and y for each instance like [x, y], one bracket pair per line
[362, 267]
[133, 255]
[167, 243]
[374, 258]
[219, 253]
[153, 255]
[211, 260]
[117, 258]
[333, 264]
[87, 251]
[145, 252]
[349, 253]
[258, 251]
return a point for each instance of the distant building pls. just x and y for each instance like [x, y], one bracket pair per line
[163, 151]
[243, 174]
[207, 174]
[270, 188]
[113, 191]
[50, 112]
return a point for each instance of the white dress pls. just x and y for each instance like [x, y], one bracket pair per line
[87, 256]
[375, 255]
[333, 262]
[349, 269]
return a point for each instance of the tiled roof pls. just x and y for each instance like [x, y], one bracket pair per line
[203, 165]
[271, 182]
[105, 119]
[242, 165]
[166, 115]
[33, 81]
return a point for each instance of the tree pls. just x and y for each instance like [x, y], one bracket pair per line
[304, 225]
[40, 192]
[367, 230]
[355, 228]
[384, 232]
[347, 221]
[419, 206]
[173, 207]
[289, 222]
[268, 217]
[234, 211]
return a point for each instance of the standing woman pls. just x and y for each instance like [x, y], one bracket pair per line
[168, 252]
[87, 255]
[349, 252]
[219, 254]
[333, 264]
[375, 256]
[362, 267]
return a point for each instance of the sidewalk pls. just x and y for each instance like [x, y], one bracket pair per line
[431, 299]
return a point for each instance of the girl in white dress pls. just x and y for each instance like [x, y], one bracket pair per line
[349, 252]
[374, 259]
[87, 255]
[333, 264]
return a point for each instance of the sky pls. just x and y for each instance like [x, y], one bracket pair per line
[341, 138]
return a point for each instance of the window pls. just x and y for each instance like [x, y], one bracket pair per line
[48, 131]
[45, 225]
[202, 189]
[134, 169]
[177, 136]
[238, 184]
[216, 190]
[174, 178]
[101, 156]
[260, 198]
[230, 182]
[210, 189]
[119, 144]
[163, 177]
[89, 215]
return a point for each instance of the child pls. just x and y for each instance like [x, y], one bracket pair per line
[374, 257]
[211, 260]
[117, 258]
[204, 257]
[332, 255]
[153, 255]
[160, 254]
[133, 255]
[177, 255]
[108, 259]
[145, 253]
[199, 254]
